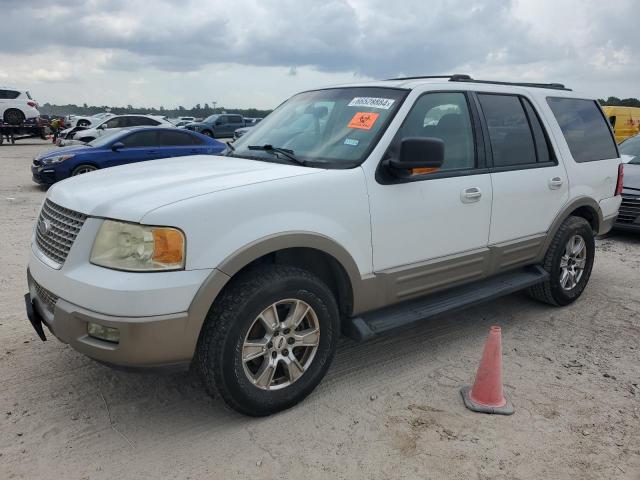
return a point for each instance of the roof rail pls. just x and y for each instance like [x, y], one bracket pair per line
[460, 77]
[456, 76]
[552, 86]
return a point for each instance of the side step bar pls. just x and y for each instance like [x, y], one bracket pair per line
[370, 324]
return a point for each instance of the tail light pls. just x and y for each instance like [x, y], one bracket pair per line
[32, 104]
[619, 184]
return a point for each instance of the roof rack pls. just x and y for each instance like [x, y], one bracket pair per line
[458, 77]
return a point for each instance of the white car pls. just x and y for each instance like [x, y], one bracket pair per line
[357, 209]
[87, 121]
[113, 124]
[16, 106]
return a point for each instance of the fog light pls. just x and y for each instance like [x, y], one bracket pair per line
[108, 334]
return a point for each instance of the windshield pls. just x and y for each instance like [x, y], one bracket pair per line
[334, 128]
[210, 119]
[631, 146]
[106, 138]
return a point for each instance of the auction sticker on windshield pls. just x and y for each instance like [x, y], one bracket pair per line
[372, 102]
[363, 120]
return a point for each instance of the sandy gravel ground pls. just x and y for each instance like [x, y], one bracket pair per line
[389, 408]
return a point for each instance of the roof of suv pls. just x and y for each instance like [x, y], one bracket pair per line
[464, 80]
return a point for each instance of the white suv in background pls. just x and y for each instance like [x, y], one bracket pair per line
[115, 123]
[356, 209]
[16, 106]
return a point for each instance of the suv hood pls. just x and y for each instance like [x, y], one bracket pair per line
[62, 151]
[131, 191]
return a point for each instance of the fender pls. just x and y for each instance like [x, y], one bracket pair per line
[242, 257]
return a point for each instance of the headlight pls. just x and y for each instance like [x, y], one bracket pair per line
[57, 159]
[138, 248]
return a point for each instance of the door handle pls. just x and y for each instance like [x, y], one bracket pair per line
[470, 195]
[555, 183]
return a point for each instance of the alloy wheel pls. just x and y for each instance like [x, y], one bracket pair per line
[281, 344]
[573, 262]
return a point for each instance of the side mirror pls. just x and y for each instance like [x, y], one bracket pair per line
[117, 146]
[419, 152]
[102, 127]
[219, 122]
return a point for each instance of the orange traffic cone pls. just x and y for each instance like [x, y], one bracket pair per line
[486, 395]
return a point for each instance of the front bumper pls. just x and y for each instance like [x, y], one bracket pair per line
[43, 175]
[152, 342]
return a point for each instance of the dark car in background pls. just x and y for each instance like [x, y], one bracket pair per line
[250, 123]
[218, 125]
[120, 148]
[629, 213]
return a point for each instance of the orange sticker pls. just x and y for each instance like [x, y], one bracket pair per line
[363, 120]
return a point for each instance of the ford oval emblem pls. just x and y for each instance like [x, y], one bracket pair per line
[44, 226]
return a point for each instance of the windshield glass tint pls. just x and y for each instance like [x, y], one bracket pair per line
[210, 119]
[335, 127]
[631, 147]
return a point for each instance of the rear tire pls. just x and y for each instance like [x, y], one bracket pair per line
[569, 261]
[257, 360]
[14, 117]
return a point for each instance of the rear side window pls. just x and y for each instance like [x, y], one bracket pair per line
[512, 141]
[584, 128]
[543, 151]
[141, 121]
[147, 138]
[175, 139]
[9, 94]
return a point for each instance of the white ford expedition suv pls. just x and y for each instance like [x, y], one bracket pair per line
[355, 209]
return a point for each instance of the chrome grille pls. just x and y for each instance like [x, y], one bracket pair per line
[629, 209]
[48, 298]
[56, 230]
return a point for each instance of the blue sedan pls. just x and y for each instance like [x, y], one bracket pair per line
[120, 148]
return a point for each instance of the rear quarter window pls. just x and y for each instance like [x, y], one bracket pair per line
[584, 128]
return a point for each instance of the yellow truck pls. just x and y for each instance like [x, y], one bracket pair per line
[624, 120]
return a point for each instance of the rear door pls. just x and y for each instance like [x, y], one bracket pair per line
[530, 185]
[174, 143]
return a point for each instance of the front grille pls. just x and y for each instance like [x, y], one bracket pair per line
[56, 230]
[629, 209]
[48, 298]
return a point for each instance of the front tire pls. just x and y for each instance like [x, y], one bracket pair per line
[268, 340]
[569, 261]
[82, 169]
[208, 133]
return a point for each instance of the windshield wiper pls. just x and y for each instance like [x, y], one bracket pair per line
[283, 151]
[230, 145]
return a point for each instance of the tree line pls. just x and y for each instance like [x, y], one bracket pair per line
[198, 111]
[619, 102]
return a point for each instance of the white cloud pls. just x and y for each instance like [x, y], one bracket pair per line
[246, 51]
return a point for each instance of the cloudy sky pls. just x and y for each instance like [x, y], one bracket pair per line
[245, 53]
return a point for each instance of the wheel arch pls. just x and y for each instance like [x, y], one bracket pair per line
[316, 253]
[584, 207]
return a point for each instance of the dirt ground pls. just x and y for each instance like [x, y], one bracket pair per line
[389, 408]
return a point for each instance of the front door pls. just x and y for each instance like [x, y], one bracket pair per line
[431, 230]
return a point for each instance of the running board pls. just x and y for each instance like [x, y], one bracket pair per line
[370, 324]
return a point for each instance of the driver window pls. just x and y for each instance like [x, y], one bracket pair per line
[444, 116]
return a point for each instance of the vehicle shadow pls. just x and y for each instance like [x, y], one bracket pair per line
[159, 403]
